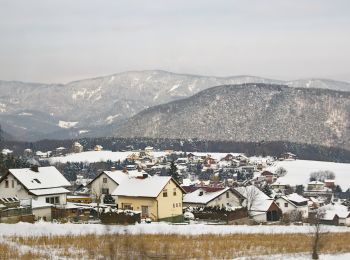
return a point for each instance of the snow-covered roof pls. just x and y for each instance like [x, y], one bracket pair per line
[147, 187]
[40, 192]
[45, 178]
[117, 176]
[259, 201]
[295, 197]
[280, 182]
[316, 182]
[206, 197]
[331, 210]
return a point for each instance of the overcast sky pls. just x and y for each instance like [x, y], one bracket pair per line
[65, 40]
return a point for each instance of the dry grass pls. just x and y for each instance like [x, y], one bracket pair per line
[179, 247]
[8, 252]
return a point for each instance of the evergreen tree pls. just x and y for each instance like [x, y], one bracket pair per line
[108, 199]
[299, 189]
[173, 172]
[266, 189]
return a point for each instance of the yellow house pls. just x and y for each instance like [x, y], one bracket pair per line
[156, 197]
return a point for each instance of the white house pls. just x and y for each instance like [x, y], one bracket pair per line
[260, 207]
[335, 214]
[107, 181]
[292, 202]
[43, 185]
[211, 197]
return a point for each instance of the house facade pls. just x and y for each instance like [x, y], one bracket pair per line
[213, 197]
[293, 202]
[42, 185]
[156, 197]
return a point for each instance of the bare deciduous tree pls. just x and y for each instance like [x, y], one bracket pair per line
[280, 171]
[315, 221]
[251, 194]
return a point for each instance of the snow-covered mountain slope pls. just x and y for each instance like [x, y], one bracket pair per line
[33, 110]
[250, 113]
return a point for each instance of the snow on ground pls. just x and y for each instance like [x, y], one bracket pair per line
[95, 156]
[99, 156]
[298, 256]
[298, 171]
[46, 228]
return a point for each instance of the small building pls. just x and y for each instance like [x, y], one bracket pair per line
[157, 197]
[329, 183]
[335, 215]
[105, 183]
[98, 147]
[77, 147]
[315, 186]
[293, 202]
[261, 208]
[288, 156]
[213, 197]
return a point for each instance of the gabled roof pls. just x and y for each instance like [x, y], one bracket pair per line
[45, 178]
[207, 195]
[119, 176]
[260, 202]
[151, 186]
[330, 211]
[295, 197]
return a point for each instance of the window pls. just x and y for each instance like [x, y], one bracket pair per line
[6, 183]
[173, 205]
[126, 206]
[174, 192]
[165, 193]
[227, 195]
[13, 183]
[104, 180]
[144, 211]
[105, 191]
[286, 205]
[36, 180]
[53, 200]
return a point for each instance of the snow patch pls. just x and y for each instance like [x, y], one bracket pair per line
[174, 87]
[110, 119]
[83, 131]
[25, 114]
[67, 125]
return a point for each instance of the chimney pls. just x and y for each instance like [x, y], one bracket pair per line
[113, 169]
[125, 170]
[34, 168]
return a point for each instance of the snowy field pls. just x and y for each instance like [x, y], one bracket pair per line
[45, 228]
[298, 171]
[339, 256]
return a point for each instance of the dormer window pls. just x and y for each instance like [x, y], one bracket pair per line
[36, 180]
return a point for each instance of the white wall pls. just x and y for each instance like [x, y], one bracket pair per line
[281, 203]
[40, 213]
[18, 190]
[97, 185]
[222, 200]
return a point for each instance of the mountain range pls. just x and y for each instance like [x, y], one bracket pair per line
[250, 113]
[100, 106]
